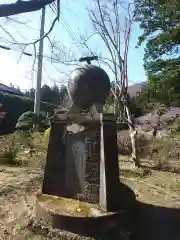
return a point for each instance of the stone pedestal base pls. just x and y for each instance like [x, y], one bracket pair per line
[65, 214]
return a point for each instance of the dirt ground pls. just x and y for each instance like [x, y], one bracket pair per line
[153, 187]
[158, 193]
[19, 186]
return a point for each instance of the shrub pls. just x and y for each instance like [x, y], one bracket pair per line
[176, 130]
[8, 150]
[15, 106]
[124, 142]
[47, 134]
[23, 148]
[2, 114]
[164, 153]
[28, 119]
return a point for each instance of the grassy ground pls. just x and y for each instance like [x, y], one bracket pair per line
[158, 182]
[20, 180]
[21, 170]
[151, 186]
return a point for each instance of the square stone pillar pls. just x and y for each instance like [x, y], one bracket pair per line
[73, 159]
[109, 167]
[54, 173]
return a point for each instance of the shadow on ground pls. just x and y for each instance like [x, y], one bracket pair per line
[155, 223]
[145, 172]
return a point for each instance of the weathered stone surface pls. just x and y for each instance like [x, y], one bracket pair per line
[75, 162]
[109, 167]
[82, 160]
[87, 85]
[84, 164]
[92, 171]
[55, 169]
[92, 165]
[87, 225]
[72, 160]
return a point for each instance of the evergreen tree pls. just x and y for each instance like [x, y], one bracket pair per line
[159, 20]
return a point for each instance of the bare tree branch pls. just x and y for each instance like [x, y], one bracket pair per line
[106, 22]
[96, 23]
[8, 33]
[22, 7]
[108, 34]
[12, 19]
[23, 46]
[50, 29]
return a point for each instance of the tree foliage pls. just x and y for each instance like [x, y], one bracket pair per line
[133, 102]
[107, 21]
[28, 119]
[14, 106]
[53, 95]
[159, 20]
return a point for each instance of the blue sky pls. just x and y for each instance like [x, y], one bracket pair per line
[18, 71]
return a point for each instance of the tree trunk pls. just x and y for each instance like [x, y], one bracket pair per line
[133, 137]
[134, 155]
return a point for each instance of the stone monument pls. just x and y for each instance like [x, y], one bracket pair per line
[81, 190]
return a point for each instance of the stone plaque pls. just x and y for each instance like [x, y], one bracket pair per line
[82, 163]
[75, 162]
[92, 165]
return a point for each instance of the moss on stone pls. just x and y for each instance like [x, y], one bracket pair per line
[72, 207]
